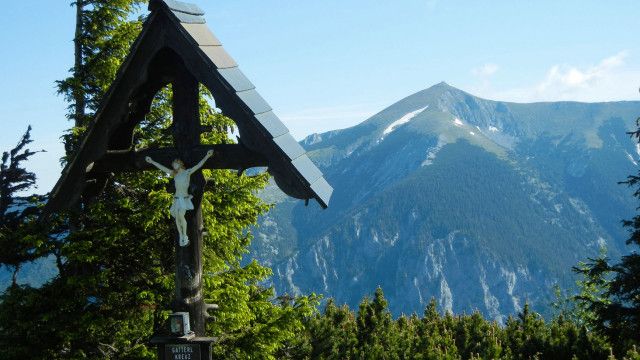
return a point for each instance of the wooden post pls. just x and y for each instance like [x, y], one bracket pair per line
[186, 120]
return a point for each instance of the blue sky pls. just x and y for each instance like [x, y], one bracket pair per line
[331, 64]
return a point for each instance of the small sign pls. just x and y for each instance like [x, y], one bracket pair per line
[182, 352]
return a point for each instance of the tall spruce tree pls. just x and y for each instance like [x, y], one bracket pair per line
[374, 326]
[116, 264]
[617, 306]
[17, 213]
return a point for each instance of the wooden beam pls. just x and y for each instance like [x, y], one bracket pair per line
[225, 156]
[186, 137]
[140, 105]
[113, 110]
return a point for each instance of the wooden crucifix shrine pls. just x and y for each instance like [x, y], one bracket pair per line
[176, 47]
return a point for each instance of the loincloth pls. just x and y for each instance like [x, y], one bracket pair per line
[181, 203]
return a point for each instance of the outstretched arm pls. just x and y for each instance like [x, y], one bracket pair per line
[159, 166]
[201, 163]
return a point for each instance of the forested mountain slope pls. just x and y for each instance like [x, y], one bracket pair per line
[480, 204]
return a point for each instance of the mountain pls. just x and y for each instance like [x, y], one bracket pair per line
[480, 204]
[34, 273]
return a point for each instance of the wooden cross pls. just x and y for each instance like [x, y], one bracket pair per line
[176, 47]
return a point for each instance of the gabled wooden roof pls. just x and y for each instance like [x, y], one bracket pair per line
[181, 29]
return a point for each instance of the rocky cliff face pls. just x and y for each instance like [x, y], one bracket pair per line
[480, 204]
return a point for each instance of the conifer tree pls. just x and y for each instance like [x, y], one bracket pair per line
[401, 342]
[617, 306]
[333, 334]
[434, 338]
[374, 326]
[16, 213]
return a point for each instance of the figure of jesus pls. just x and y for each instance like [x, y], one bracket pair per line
[181, 199]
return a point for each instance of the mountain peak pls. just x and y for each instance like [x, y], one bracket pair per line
[442, 87]
[442, 84]
[436, 96]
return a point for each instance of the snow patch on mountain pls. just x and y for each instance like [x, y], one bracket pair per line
[321, 261]
[446, 298]
[433, 151]
[579, 206]
[357, 224]
[374, 236]
[312, 139]
[633, 161]
[491, 302]
[524, 272]
[417, 286]
[433, 263]
[403, 120]
[291, 267]
[394, 239]
[510, 279]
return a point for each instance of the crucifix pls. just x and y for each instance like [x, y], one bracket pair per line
[176, 47]
[181, 199]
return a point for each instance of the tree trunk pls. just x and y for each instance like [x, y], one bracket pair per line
[14, 276]
[78, 94]
[78, 91]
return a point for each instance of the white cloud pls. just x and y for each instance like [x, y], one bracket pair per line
[610, 79]
[485, 70]
[570, 77]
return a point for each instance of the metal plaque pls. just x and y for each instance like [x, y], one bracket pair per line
[182, 352]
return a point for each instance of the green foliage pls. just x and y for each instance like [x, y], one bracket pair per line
[374, 325]
[371, 333]
[20, 236]
[333, 334]
[104, 33]
[13, 177]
